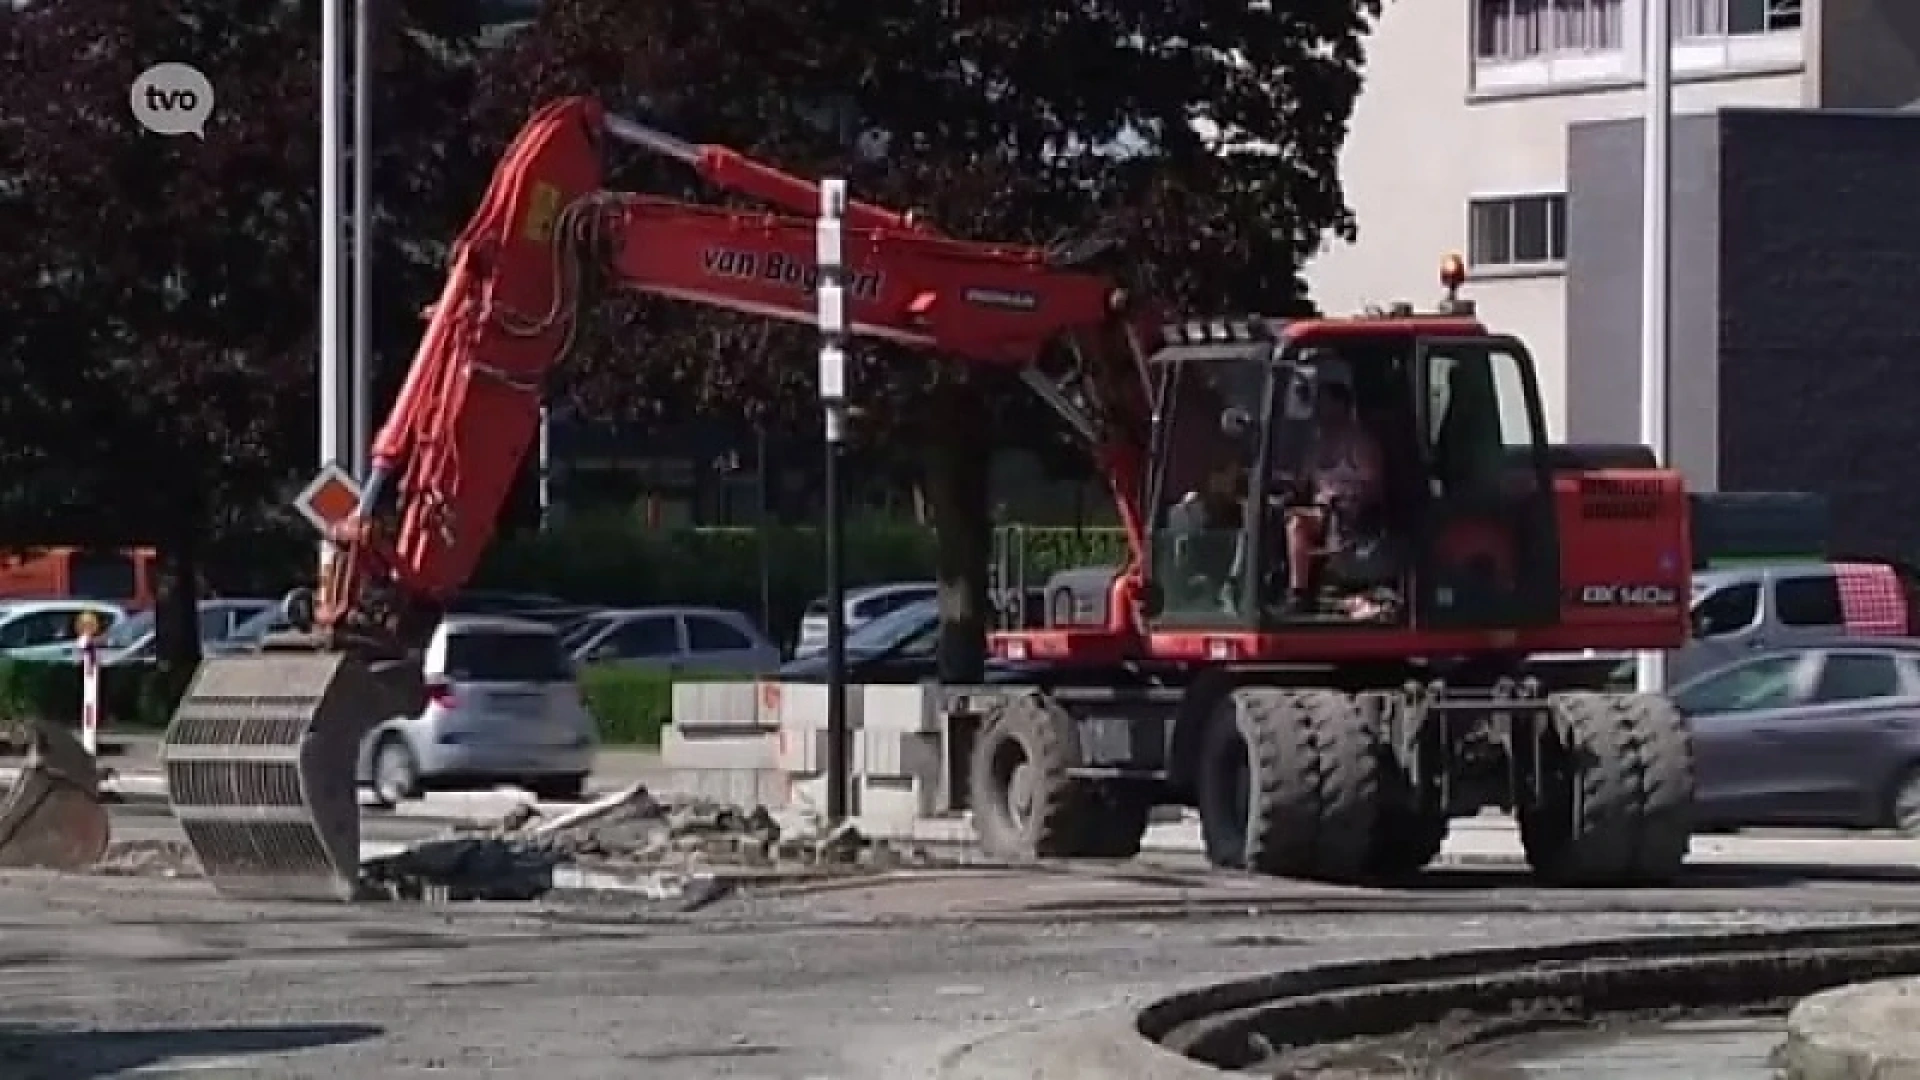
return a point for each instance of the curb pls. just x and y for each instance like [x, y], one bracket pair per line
[1498, 992]
[1854, 1032]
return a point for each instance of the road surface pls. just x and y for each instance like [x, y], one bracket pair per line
[141, 977]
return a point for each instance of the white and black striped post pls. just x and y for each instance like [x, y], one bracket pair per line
[830, 291]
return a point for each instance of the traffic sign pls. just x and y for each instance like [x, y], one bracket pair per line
[329, 498]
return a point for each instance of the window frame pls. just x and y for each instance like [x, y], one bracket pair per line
[1552, 204]
[1702, 42]
[1556, 62]
[612, 636]
[1892, 663]
[1830, 586]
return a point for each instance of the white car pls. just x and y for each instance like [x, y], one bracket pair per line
[503, 707]
[864, 605]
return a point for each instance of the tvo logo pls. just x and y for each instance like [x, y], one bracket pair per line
[172, 99]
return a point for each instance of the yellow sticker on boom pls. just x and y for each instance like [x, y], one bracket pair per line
[543, 206]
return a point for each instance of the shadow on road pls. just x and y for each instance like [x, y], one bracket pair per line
[1712, 876]
[28, 1053]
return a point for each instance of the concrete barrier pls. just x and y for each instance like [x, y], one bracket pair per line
[766, 743]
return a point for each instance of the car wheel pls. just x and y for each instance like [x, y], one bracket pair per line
[1903, 810]
[396, 773]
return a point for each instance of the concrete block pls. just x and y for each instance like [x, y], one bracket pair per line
[719, 748]
[901, 708]
[888, 805]
[802, 705]
[716, 705]
[737, 787]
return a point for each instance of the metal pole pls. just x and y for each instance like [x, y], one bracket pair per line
[362, 306]
[333, 358]
[833, 398]
[1656, 249]
[546, 468]
[762, 524]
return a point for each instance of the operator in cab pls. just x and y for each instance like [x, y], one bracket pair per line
[1340, 485]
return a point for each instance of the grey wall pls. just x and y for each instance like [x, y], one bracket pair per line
[1604, 193]
[1865, 54]
[1820, 315]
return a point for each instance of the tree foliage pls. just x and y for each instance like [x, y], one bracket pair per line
[163, 331]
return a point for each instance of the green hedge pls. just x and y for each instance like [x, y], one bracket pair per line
[616, 562]
[137, 697]
[633, 707]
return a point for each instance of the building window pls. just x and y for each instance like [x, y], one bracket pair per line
[1512, 31]
[1695, 19]
[1518, 231]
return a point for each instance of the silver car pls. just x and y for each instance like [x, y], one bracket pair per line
[503, 707]
[1824, 735]
[689, 639]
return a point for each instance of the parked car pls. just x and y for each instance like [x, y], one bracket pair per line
[1824, 735]
[863, 605]
[50, 629]
[131, 639]
[1739, 610]
[895, 648]
[697, 639]
[503, 707]
[248, 635]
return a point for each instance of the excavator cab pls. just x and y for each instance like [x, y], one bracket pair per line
[1456, 528]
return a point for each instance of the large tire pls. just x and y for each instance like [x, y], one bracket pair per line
[1288, 785]
[1025, 806]
[1619, 793]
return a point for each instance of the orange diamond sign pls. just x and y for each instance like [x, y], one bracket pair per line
[328, 498]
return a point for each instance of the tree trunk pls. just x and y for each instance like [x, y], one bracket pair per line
[176, 611]
[958, 469]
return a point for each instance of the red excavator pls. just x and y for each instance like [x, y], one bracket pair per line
[1347, 537]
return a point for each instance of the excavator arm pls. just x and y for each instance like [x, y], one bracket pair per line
[547, 234]
[264, 750]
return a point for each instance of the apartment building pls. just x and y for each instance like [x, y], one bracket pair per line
[1460, 139]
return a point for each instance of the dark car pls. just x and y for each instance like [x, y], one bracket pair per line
[1811, 736]
[898, 647]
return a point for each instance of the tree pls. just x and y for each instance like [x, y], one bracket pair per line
[164, 335]
[1208, 131]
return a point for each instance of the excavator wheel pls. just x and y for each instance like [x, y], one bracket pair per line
[261, 764]
[53, 818]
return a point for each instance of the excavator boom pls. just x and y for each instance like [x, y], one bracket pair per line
[262, 754]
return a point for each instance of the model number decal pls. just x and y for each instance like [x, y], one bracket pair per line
[775, 267]
[1629, 596]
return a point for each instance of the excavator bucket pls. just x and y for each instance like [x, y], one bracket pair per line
[53, 819]
[261, 770]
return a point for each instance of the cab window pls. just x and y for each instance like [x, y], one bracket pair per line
[1725, 611]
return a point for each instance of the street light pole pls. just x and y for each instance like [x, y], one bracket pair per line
[833, 398]
[333, 358]
[1656, 249]
[362, 306]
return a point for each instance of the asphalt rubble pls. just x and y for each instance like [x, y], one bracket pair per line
[676, 856]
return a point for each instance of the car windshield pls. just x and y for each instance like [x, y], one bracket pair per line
[506, 656]
[896, 629]
[128, 631]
